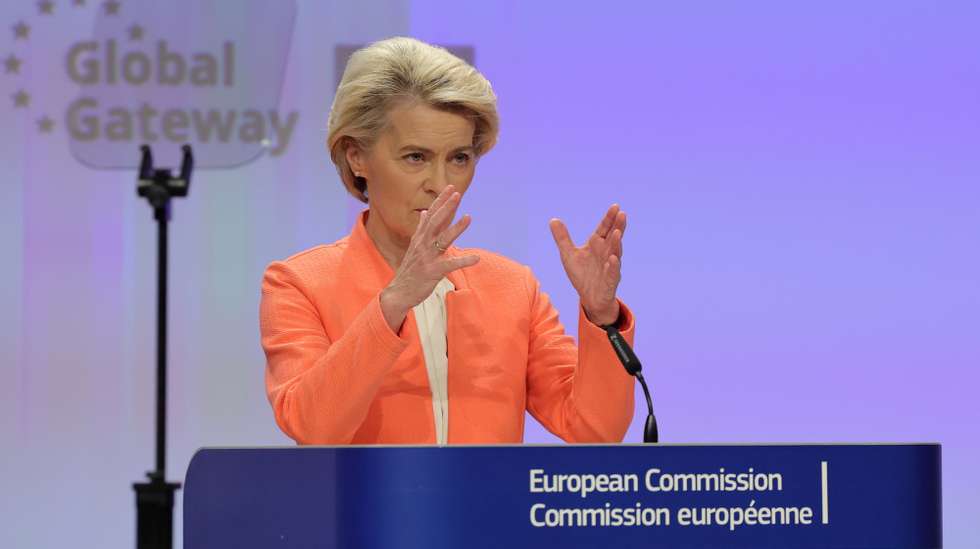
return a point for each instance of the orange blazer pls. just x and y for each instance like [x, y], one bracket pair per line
[337, 374]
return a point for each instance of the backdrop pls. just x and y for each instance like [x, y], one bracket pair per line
[801, 181]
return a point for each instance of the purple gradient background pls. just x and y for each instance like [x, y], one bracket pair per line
[802, 255]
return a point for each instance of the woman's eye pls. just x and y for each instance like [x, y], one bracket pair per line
[414, 157]
[461, 158]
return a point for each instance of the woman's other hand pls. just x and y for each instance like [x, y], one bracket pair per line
[425, 262]
[594, 268]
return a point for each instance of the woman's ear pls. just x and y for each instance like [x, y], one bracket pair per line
[355, 159]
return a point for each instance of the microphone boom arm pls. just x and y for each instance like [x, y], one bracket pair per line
[634, 368]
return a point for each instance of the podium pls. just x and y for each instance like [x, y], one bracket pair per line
[515, 496]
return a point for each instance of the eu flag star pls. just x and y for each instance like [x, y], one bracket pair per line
[136, 32]
[21, 31]
[11, 64]
[111, 7]
[22, 99]
[45, 124]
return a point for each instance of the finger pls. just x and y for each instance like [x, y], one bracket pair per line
[451, 264]
[443, 216]
[607, 220]
[620, 221]
[450, 235]
[441, 198]
[598, 246]
[560, 233]
[605, 225]
[616, 243]
[423, 220]
[613, 273]
[437, 203]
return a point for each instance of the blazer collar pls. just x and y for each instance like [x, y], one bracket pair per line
[366, 253]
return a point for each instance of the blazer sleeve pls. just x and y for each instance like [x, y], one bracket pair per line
[581, 394]
[320, 390]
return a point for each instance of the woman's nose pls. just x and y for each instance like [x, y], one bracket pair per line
[437, 180]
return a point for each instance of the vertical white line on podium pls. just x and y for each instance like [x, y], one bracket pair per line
[825, 513]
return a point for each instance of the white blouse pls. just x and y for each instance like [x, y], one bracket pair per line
[430, 316]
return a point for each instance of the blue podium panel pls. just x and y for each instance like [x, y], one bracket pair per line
[881, 495]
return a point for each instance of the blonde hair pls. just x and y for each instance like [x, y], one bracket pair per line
[399, 69]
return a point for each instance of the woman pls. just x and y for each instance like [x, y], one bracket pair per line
[392, 334]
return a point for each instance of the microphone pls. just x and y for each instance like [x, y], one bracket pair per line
[633, 368]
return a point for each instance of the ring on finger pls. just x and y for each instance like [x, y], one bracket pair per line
[440, 247]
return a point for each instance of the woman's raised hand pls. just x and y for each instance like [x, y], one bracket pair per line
[425, 262]
[594, 268]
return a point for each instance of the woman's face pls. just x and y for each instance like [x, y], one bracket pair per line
[420, 152]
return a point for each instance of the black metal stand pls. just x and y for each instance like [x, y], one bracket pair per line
[155, 499]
